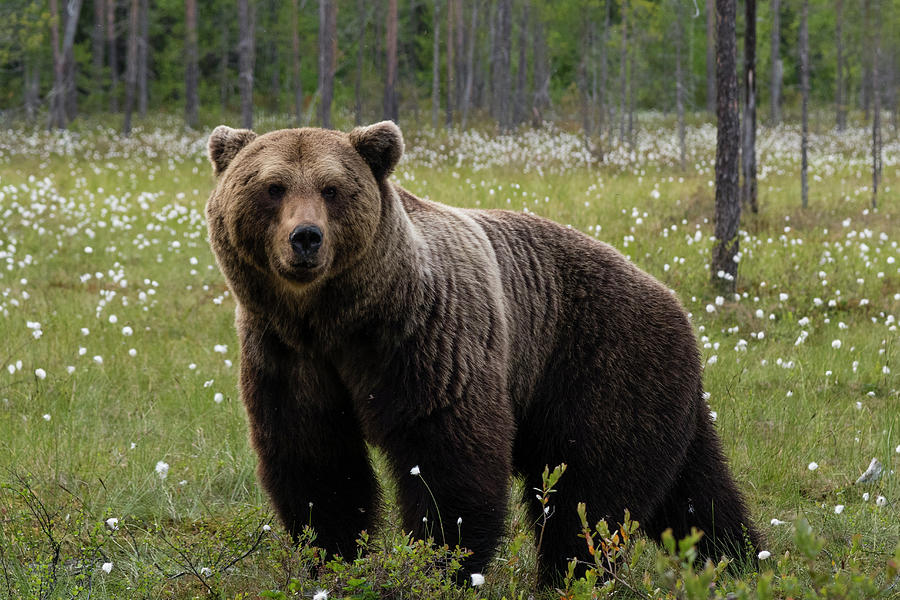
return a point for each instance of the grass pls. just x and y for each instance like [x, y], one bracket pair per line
[81, 447]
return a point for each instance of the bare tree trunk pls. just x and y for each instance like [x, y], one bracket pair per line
[390, 87]
[327, 55]
[728, 203]
[867, 63]
[451, 76]
[748, 154]
[679, 82]
[502, 78]
[32, 87]
[98, 39]
[623, 72]
[273, 55]
[246, 47]
[876, 107]
[522, 69]
[581, 79]
[631, 84]
[775, 85]
[458, 53]
[435, 65]
[470, 64]
[70, 66]
[224, 80]
[113, 55]
[59, 116]
[131, 64]
[191, 70]
[804, 90]
[839, 97]
[541, 99]
[711, 55]
[361, 15]
[605, 116]
[143, 56]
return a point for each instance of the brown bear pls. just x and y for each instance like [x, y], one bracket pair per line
[473, 344]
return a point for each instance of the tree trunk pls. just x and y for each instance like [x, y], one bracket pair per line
[711, 55]
[623, 72]
[273, 55]
[70, 65]
[631, 79]
[390, 87]
[32, 88]
[541, 99]
[679, 82]
[191, 70]
[470, 64]
[224, 79]
[502, 78]
[131, 64]
[113, 55]
[327, 55]
[748, 154]
[876, 108]
[867, 63]
[458, 53]
[357, 107]
[522, 68]
[98, 39]
[245, 61]
[605, 117]
[451, 76]
[581, 79]
[804, 90]
[840, 103]
[728, 203]
[59, 116]
[143, 56]
[435, 64]
[775, 85]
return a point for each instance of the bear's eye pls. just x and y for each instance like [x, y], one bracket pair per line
[329, 192]
[276, 192]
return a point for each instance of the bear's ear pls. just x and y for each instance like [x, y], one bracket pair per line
[224, 144]
[380, 145]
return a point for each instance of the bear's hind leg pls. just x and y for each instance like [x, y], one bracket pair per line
[705, 496]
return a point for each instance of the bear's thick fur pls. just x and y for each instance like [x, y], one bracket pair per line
[474, 344]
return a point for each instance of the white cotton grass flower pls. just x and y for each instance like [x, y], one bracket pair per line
[98, 359]
[836, 344]
[112, 523]
[162, 469]
[880, 501]
[206, 572]
[477, 579]
[865, 496]
[763, 555]
[813, 466]
[873, 472]
[267, 527]
[40, 373]
[47, 417]
[320, 595]
[127, 331]
[218, 398]
[459, 522]
[106, 567]
[132, 352]
[777, 522]
[838, 509]
[415, 470]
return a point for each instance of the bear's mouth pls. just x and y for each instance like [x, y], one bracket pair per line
[300, 271]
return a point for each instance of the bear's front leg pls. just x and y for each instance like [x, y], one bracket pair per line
[458, 492]
[313, 462]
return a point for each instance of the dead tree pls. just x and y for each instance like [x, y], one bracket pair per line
[390, 86]
[840, 102]
[711, 55]
[113, 53]
[246, 51]
[191, 69]
[804, 90]
[131, 64]
[143, 57]
[59, 116]
[775, 85]
[327, 57]
[728, 204]
[679, 81]
[451, 75]
[541, 98]
[748, 139]
[623, 72]
[470, 64]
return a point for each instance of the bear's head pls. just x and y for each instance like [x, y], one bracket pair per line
[298, 204]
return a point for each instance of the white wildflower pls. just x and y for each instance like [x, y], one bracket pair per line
[477, 579]
[415, 470]
[162, 469]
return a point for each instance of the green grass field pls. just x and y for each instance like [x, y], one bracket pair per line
[118, 395]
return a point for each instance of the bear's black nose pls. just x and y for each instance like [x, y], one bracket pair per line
[306, 240]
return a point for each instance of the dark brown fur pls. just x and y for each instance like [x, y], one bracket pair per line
[474, 344]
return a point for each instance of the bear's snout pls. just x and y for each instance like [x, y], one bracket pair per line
[306, 241]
